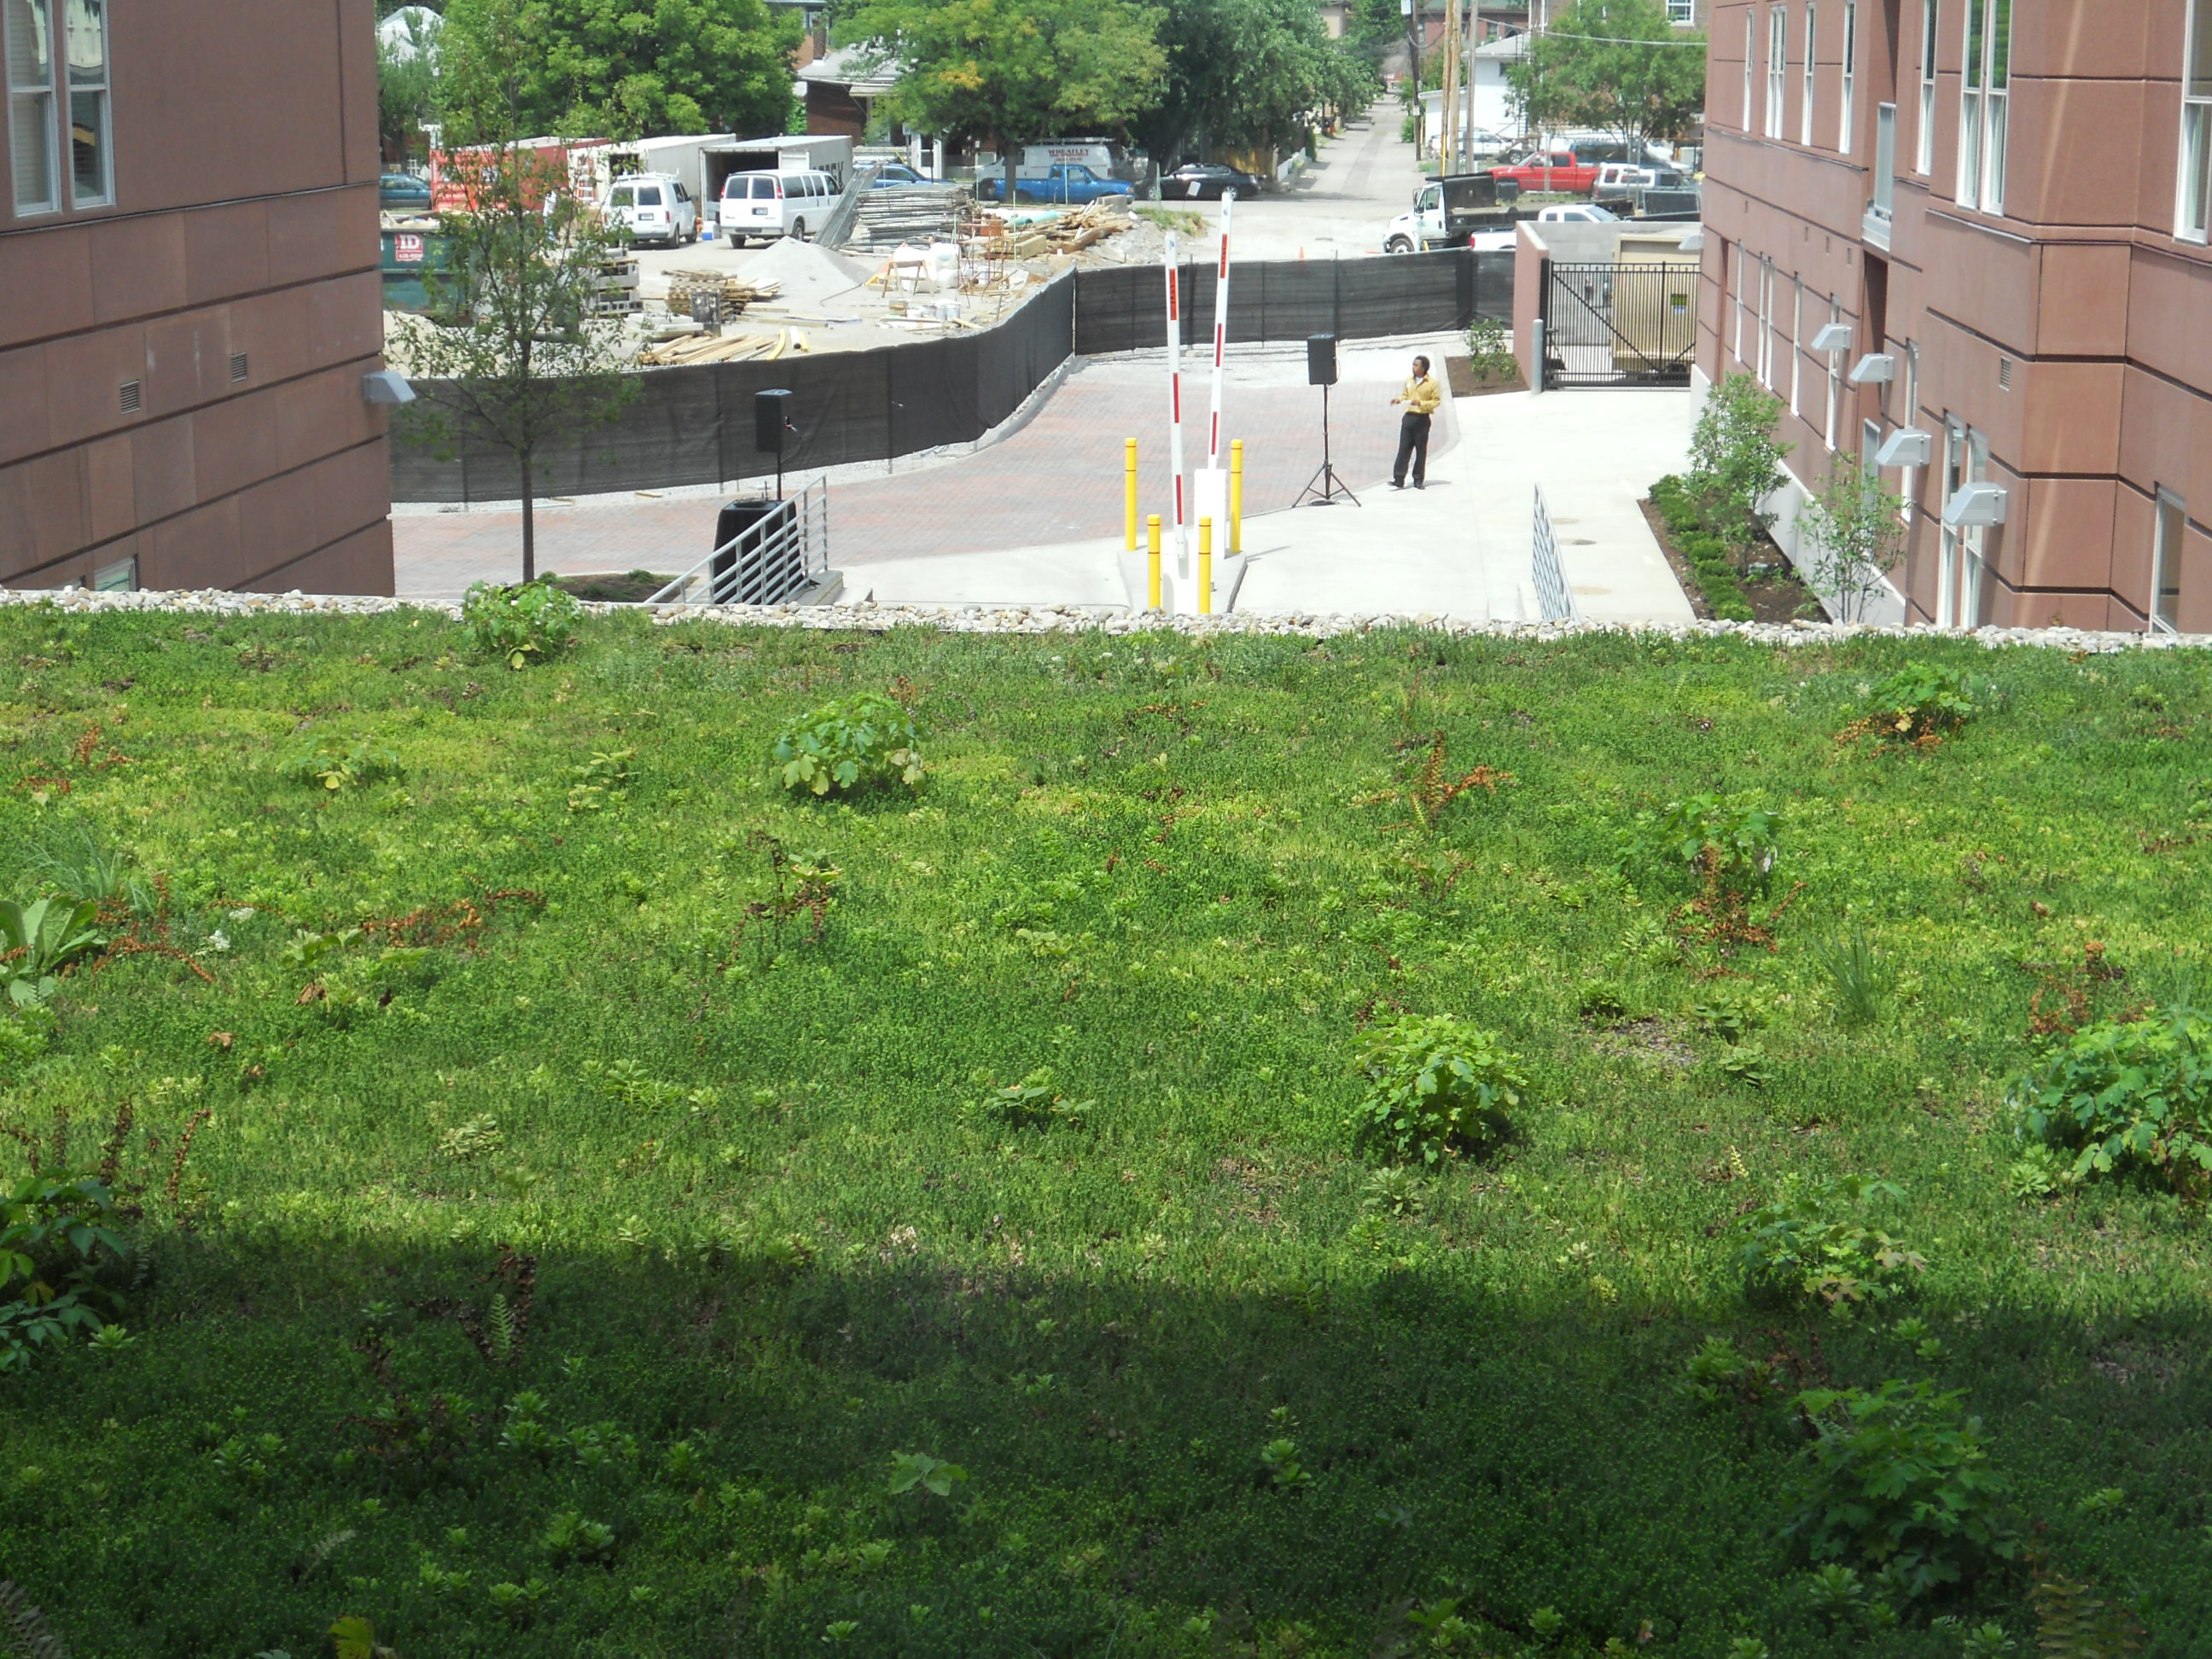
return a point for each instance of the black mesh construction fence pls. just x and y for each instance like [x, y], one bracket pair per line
[695, 426]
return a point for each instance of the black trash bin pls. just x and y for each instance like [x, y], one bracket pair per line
[726, 582]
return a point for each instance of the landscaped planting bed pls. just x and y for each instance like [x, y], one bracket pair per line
[1249, 1146]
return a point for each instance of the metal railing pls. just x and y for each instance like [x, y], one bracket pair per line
[1553, 597]
[784, 552]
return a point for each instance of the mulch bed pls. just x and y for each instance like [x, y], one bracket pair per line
[609, 589]
[1460, 375]
[1779, 598]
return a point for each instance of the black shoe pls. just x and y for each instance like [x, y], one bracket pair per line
[1418, 484]
[1397, 483]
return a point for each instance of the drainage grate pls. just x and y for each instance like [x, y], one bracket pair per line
[237, 366]
[130, 397]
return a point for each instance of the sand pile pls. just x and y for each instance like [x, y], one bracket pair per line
[810, 275]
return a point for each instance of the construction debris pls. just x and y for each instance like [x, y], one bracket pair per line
[689, 350]
[735, 293]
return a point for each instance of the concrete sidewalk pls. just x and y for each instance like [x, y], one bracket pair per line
[1461, 548]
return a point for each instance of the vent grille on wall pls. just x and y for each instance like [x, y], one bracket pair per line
[128, 396]
[239, 370]
[2005, 374]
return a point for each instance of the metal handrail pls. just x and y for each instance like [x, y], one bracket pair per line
[765, 563]
[1556, 599]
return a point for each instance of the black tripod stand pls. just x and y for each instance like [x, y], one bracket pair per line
[1325, 486]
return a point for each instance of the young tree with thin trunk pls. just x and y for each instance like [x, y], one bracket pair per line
[521, 358]
[1853, 534]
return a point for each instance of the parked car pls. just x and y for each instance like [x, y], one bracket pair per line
[1074, 184]
[1575, 213]
[1628, 175]
[403, 192]
[772, 204]
[895, 173]
[652, 207]
[1206, 181]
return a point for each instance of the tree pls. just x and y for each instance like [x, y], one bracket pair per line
[1735, 461]
[1015, 70]
[621, 69]
[406, 86]
[523, 360]
[1617, 65]
[1854, 531]
[1247, 74]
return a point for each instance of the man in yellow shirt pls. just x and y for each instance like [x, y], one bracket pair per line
[1421, 396]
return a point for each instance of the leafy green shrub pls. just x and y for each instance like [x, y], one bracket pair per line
[920, 1473]
[848, 745]
[38, 940]
[1437, 1087]
[569, 1537]
[63, 1256]
[519, 623]
[335, 764]
[1727, 845]
[1809, 1244]
[1032, 1104]
[1919, 704]
[1898, 1478]
[1858, 981]
[2127, 1096]
[1490, 352]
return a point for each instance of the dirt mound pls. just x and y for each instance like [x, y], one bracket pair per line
[809, 273]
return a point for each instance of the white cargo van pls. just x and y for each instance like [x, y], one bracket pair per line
[652, 207]
[772, 204]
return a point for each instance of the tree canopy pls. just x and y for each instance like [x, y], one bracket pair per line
[1243, 72]
[1616, 65]
[1018, 70]
[622, 68]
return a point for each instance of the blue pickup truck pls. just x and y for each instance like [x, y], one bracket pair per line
[1072, 183]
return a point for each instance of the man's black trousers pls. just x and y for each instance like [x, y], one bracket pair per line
[1413, 446]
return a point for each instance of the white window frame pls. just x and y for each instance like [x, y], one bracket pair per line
[1750, 60]
[1812, 41]
[1984, 103]
[1796, 340]
[1835, 374]
[1736, 296]
[1682, 14]
[1924, 138]
[85, 88]
[1910, 476]
[1850, 67]
[32, 109]
[2169, 533]
[2192, 206]
[1778, 69]
[1766, 322]
[1960, 571]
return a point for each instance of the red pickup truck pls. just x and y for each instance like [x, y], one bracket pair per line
[1551, 170]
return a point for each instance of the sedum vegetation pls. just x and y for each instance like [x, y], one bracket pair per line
[1144, 1164]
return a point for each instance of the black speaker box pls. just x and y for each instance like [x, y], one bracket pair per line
[1321, 360]
[771, 416]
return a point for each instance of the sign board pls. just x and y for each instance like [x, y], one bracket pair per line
[407, 250]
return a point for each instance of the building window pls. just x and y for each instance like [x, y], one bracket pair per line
[1835, 372]
[1805, 113]
[1797, 338]
[121, 577]
[2193, 218]
[1908, 487]
[1923, 136]
[1766, 322]
[1750, 44]
[1850, 65]
[1735, 297]
[31, 128]
[2166, 564]
[1778, 67]
[1682, 14]
[1985, 95]
[84, 41]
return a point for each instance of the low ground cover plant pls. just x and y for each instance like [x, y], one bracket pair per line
[568, 1187]
[2129, 1096]
[520, 622]
[849, 745]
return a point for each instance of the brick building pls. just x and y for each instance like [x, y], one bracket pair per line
[189, 297]
[1997, 209]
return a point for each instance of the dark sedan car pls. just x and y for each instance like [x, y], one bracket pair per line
[1205, 181]
[401, 192]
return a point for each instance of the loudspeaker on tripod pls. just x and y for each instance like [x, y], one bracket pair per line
[771, 418]
[1321, 360]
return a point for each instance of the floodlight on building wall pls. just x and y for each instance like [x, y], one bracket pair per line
[1875, 368]
[1906, 447]
[1833, 337]
[1976, 504]
[385, 385]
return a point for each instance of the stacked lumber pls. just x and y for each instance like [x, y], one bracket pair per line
[688, 350]
[1092, 222]
[735, 293]
[909, 213]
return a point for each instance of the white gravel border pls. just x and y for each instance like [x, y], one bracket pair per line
[1050, 619]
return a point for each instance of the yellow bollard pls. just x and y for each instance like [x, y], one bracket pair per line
[1205, 567]
[1129, 493]
[1153, 557]
[1236, 496]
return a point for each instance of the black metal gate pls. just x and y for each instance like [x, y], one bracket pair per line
[1619, 323]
